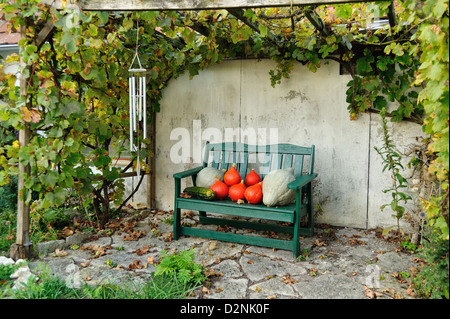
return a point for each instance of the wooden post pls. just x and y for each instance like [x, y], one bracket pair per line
[22, 248]
[151, 163]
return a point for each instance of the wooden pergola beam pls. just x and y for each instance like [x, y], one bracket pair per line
[148, 5]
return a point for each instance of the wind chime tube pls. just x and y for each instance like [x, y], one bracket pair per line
[141, 96]
[138, 99]
[130, 102]
[145, 105]
[133, 90]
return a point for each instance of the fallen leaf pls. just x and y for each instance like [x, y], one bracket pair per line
[205, 290]
[320, 243]
[370, 293]
[398, 277]
[212, 246]
[135, 265]
[67, 231]
[250, 262]
[143, 251]
[84, 265]
[410, 290]
[209, 272]
[313, 272]
[218, 290]
[413, 271]
[287, 279]
[150, 260]
[354, 242]
[271, 297]
[133, 235]
[96, 250]
[60, 253]
[398, 296]
[168, 237]
[223, 229]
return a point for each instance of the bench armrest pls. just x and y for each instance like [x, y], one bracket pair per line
[188, 173]
[301, 181]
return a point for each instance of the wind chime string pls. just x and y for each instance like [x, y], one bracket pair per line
[137, 103]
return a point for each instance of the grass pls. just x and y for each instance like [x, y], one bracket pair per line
[53, 287]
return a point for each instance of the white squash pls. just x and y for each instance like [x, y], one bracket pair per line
[275, 191]
[207, 176]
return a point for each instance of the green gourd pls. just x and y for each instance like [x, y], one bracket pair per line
[275, 191]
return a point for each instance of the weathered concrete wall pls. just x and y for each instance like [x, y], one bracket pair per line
[309, 108]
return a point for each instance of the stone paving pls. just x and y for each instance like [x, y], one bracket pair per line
[338, 263]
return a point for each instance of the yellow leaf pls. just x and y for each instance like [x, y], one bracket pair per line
[30, 115]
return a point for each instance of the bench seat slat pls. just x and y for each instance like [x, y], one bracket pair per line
[236, 238]
[228, 207]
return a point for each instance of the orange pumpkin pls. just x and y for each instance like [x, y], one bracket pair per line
[253, 194]
[220, 189]
[232, 176]
[252, 178]
[237, 191]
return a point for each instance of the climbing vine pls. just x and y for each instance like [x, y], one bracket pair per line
[75, 93]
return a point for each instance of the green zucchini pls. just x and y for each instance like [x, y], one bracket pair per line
[200, 192]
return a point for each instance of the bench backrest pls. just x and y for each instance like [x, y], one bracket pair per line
[263, 158]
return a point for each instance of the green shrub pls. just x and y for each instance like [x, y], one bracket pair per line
[182, 266]
[432, 279]
[5, 272]
[7, 229]
[8, 196]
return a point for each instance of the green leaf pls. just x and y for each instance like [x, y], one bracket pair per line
[93, 30]
[343, 11]
[71, 108]
[189, 36]
[103, 16]
[262, 30]
[69, 42]
[363, 66]
[50, 179]
[102, 160]
[111, 174]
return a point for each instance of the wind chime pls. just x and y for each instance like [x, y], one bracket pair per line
[138, 104]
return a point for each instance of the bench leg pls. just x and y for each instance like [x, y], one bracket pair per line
[202, 216]
[176, 212]
[310, 210]
[296, 237]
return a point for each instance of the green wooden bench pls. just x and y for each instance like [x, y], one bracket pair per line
[221, 156]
